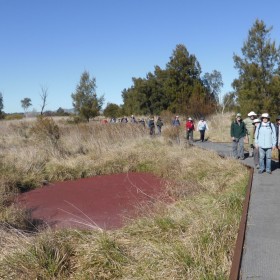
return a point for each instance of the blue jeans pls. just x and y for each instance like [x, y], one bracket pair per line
[238, 143]
[265, 153]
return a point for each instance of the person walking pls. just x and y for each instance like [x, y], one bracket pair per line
[189, 129]
[151, 125]
[159, 125]
[133, 119]
[277, 128]
[202, 127]
[265, 141]
[237, 133]
[176, 121]
[250, 131]
[142, 122]
[256, 123]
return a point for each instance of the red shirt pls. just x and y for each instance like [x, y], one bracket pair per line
[189, 125]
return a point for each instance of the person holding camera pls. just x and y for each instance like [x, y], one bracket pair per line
[237, 133]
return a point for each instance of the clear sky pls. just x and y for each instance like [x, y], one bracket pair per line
[50, 43]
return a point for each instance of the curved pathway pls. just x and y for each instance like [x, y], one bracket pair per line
[261, 251]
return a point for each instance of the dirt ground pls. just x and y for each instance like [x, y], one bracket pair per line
[90, 203]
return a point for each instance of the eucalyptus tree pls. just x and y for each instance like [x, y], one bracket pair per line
[85, 100]
[213, 82]
[25, 104]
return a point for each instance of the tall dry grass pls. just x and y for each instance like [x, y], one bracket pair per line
[191, 238]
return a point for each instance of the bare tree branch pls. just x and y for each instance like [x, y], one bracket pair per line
[44, 96]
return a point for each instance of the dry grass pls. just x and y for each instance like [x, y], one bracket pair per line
[219, 127]
[191, 238]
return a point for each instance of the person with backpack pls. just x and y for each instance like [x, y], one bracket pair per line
[202, 127]
[189, 129]
[277, 128]
[265, 141]
[237, 133]
[159, 125]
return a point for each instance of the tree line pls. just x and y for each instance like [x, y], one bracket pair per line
[182, 89]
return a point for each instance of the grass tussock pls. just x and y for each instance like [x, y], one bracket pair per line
[191, 236]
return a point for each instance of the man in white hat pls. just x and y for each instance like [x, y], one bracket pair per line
[250, 130]
[265, 141]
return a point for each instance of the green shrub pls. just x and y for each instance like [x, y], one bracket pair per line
[14, 117]
[45, 128]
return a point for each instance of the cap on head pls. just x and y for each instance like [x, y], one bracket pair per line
[265, 115]
[202, 118]
[177, 116]
[190, 119]
[252, 113]
[278, 118]
[238, 115]
[256, 121]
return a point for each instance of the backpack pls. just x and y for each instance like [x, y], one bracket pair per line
[260, 127]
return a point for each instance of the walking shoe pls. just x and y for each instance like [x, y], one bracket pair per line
[268, 172]
[260, 171]
[257, 166]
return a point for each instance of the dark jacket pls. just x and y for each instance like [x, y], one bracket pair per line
[238, 130]
[159, 123]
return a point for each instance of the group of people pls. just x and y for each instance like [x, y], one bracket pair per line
[201, 127]
[152, 124]
[262, 135]
[125, 119]
[190, 127]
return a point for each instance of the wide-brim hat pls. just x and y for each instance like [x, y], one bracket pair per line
[256, 121]
[252, 113]
[265, 115]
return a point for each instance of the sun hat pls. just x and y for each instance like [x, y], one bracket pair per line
[265, 115]
[252, 113]
[256, 121]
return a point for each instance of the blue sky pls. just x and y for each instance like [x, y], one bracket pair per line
[50, 43]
